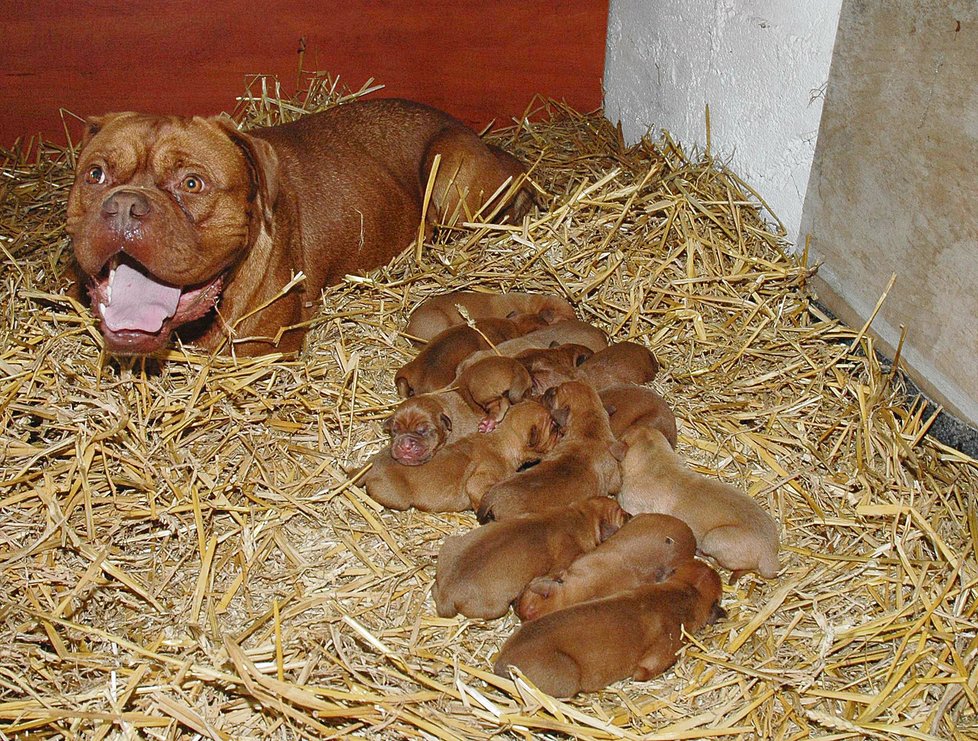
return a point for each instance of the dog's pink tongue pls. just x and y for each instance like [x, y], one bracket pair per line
[138, 302]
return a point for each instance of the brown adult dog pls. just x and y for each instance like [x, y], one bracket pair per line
[458, 475]
[630, 405]
[551, 366]
[171, 215]
[491, 386]
[438, 313]
[435, 366]
[480, 573]
[647, 549]
[569, 331]
[729, 526]
[422, 424]
[588, 646]
[584, 463]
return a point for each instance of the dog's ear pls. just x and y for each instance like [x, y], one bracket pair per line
[618, 450]
[543, 586]
[404, 389]
[388, 423]
[561, 416]
[581, 356]
[716, 613]
[94, 124]
[263, 163]
[553, 345]
[611, 517]
[446, 422]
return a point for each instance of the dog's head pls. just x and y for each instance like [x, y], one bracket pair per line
[161, 209]
[418, 428]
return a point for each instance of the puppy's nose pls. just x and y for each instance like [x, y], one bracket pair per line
[125, 208]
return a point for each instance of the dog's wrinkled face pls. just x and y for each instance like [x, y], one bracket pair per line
[418, 428]
[161, 208]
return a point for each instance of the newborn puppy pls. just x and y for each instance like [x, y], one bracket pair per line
[438, 313]
[629, 405]
[435, 366]
[647, 549]
[622, 362]
[632, 634]
[459, 474]
[490, 386]
[569, 331]
[424, 423]
[584, 463]
[551, 366]
[481, 572]
[729, 526]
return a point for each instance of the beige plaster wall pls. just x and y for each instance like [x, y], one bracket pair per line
[894, 185]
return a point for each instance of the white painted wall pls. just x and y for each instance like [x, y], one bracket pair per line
[761, 65]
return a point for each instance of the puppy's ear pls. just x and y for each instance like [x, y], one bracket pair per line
[618, 449]
[582, 356]
[662, 573]
[609, 526]
[547, 315]
[388, 423]
[263, 163]
[716, 613]
[446, 422]
[610, 409]
[561, 416]
[553, 345]
[404, 389]
[542, 585]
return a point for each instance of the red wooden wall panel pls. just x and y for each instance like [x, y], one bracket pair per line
[477, 60]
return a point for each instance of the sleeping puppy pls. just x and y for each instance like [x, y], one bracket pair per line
[435, 366]
[491, 386]
[424, 423]
[729, 526]
[647, 549]
[459, 474]
[481, 572]
[622, 362]
[570, 331]
[438, 313]
[635, 634]
[551, 366]
[584, 463]
[630, 405]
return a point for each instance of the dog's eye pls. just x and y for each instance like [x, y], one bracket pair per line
[193, 184]
[95, 175]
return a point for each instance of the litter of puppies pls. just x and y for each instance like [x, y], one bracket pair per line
[545, 496]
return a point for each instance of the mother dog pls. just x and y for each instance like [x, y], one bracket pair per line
[187, 221]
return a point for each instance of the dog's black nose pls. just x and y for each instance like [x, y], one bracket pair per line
[125, 207]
